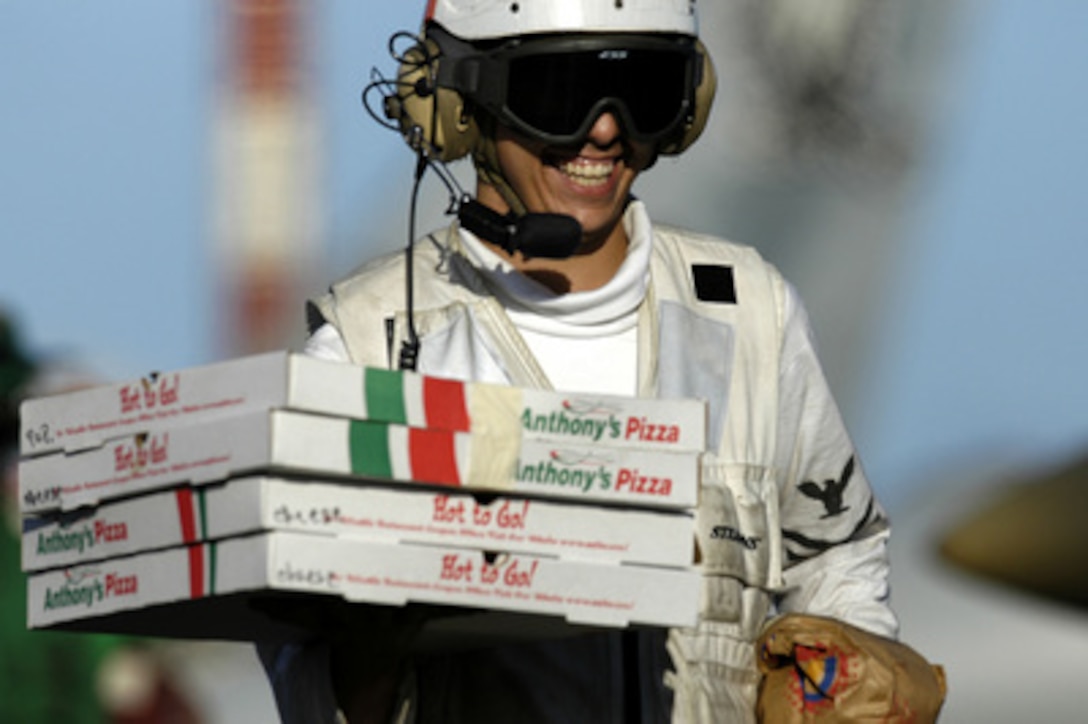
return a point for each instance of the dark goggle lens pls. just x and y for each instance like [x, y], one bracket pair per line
[554, 93]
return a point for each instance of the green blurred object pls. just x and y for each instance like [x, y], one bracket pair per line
[15, 367]
[16, 371]
[1034, 537]
[44, 676]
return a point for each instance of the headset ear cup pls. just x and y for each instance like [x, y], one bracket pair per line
[456, 131]
[429, 115]
[704, 99]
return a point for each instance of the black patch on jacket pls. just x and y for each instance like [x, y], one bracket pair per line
[714, 283]
[831, 492]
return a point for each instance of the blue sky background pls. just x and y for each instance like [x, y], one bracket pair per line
[980, 357]
[105, 197]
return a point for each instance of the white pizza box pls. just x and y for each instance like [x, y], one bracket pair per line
[154, 593]
[88, 418]
[316, 445]
[380, 513]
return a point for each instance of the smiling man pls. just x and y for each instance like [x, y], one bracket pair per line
[590, 183]
[554, 276]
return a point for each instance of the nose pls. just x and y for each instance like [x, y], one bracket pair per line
[605, 131]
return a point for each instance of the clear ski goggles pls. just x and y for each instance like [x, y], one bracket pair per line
[554, 88]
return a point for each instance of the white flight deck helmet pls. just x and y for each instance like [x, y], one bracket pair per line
[483, 19]
[471, 50]
[548, 69]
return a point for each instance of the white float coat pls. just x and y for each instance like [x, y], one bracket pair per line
[787, 520]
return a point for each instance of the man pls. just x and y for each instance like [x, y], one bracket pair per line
[562, 104]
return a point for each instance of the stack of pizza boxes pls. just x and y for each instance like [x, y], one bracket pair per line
[193, 503]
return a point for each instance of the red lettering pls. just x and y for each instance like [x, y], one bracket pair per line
[122, 458]
[110, 532]
[512, 514]
[168, 394]
[150, 398]
[489, 574]
[141, 456]
[454, 568]
[121, 585]
[158, 448]
[639, 428]
[635, 482]
[626, 479]
[447, 512]
[480, 514]
[520, 578]
[130, 399]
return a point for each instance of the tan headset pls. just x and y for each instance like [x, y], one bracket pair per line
[436, 119]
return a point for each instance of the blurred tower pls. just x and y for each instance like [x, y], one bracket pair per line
[822, 117]
[266, 186]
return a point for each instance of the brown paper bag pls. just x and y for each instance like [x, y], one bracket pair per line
[818, 669]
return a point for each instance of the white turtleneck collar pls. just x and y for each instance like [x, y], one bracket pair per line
[605, 310]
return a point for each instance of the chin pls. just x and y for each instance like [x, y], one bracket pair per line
[598, 222]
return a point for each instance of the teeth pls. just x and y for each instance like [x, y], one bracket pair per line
[588, 173]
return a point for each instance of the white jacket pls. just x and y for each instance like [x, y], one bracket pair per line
[786, 520]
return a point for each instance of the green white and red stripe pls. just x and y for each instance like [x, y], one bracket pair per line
[416, 400]
[397, 452]
[192, 514]
[202, 570]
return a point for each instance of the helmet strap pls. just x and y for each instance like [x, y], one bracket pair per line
[554, 236]
[485, 157]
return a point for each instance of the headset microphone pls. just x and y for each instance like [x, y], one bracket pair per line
[551, 236]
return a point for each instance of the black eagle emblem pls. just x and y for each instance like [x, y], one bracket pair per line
[831, 492]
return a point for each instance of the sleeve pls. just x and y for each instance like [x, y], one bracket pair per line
[835, 533]
[326, 343]
[299, 673]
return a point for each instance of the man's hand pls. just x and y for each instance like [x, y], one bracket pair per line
[821, 670]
